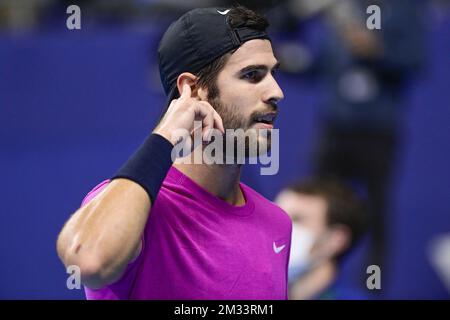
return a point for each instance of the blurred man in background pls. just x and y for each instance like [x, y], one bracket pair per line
[364, 75]
[328, 219]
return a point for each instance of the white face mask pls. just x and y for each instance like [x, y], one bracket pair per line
[301, 244]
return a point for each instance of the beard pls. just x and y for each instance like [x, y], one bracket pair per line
[230, 115]
[255, 142]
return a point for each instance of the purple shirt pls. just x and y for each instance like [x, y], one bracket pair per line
[197, 246]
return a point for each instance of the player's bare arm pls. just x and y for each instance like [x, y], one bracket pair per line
[104, 236]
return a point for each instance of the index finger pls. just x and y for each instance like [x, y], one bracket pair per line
[185, 91]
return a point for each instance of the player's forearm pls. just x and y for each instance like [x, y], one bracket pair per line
[102, 237]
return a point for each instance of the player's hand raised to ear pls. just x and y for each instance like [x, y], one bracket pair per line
[181, 115]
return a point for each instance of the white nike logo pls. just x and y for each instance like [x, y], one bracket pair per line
[278, 249]
[223, 12]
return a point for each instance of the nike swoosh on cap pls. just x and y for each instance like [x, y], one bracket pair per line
[223, 12]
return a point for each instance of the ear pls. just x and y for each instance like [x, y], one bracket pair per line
[339, 240]
[191, 80]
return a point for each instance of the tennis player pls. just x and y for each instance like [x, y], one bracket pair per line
[164, 230]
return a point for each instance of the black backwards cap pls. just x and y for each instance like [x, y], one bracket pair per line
[195, 40]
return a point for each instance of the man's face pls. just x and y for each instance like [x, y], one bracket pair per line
[309, 211]
[248, 91]
[309, 225]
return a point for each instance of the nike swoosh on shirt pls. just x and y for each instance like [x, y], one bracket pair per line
[278, 249]
[223, 12]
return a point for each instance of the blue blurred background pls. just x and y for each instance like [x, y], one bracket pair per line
[74, 104]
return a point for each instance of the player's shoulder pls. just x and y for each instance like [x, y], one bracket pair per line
[270, 206]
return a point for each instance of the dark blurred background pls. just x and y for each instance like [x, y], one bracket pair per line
[371, 107]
